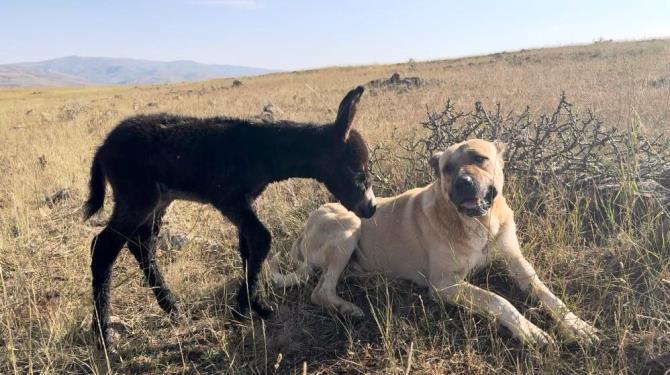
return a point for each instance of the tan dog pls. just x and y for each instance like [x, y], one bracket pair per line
[434, 236]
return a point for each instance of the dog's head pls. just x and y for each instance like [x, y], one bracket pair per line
[471, 175]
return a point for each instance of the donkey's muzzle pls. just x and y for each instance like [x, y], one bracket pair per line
[366, 209]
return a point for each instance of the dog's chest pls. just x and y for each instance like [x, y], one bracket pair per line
[476, 256]
[476, 244]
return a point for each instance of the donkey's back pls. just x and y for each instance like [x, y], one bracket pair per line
[187, 157]
[165, 134]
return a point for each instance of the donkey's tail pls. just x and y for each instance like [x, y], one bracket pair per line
[300, 274]
[96, 186]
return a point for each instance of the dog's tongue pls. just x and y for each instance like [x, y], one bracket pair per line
[470, 203]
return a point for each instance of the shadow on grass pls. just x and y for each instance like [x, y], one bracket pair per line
[209, 340]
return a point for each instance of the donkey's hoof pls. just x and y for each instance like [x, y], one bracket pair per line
[107, 337]
[105, 343]
[264, 313]
[176, 316]
[106, 357]
[174, 312]
[239, 315]
[262, 310]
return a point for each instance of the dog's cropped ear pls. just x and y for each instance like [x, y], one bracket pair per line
[346, 113]
[501, 147]
[435, 162]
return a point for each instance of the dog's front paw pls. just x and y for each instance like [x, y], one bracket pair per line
[575, 329]
[533, 335]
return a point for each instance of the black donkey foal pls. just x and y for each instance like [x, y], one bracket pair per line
[152, 160]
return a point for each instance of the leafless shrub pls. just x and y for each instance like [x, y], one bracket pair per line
[563, 146]
[411, 64]
[611, 173]
[71, 110]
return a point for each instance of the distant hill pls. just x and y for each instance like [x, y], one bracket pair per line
[79, 71]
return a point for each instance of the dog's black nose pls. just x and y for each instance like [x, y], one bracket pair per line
[465, 186]
[463, 182]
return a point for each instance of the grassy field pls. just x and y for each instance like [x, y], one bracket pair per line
[47, 139]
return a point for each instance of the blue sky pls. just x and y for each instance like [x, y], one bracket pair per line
[302, 34]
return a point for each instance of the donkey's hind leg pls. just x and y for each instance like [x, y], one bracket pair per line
[143, 248]
[337, 253]
[104, 251]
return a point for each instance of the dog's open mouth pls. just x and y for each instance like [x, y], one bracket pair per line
[475, 207]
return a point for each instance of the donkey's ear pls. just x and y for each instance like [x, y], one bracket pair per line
[435, 162]
[346, 112]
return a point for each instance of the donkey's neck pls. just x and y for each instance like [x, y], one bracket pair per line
[294, 150]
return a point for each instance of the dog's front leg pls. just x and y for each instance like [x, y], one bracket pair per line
[524, 274]
[487, 303]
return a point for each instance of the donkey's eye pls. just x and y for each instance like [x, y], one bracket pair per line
[361, 177]
[362, 180]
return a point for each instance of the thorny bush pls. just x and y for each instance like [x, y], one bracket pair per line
[612, 175]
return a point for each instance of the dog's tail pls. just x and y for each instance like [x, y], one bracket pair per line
[96, 195]
[299, 275]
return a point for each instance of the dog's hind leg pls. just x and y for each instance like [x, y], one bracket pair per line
[337, 254]
[301, 272]
[143, 248]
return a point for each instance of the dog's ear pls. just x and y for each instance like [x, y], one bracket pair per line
[435, 162]
[501, 147]
[346, 113]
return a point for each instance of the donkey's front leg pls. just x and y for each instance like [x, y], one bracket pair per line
[255, 241]
[524, 274]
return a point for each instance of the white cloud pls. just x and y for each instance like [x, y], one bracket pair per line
[245, 4]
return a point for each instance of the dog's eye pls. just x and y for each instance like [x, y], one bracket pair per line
[449, 168]
[479, 159]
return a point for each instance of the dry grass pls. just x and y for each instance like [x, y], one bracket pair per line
[47, 140]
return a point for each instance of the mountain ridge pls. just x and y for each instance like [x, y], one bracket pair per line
[86, 71]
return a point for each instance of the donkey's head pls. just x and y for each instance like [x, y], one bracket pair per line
[344, 168]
